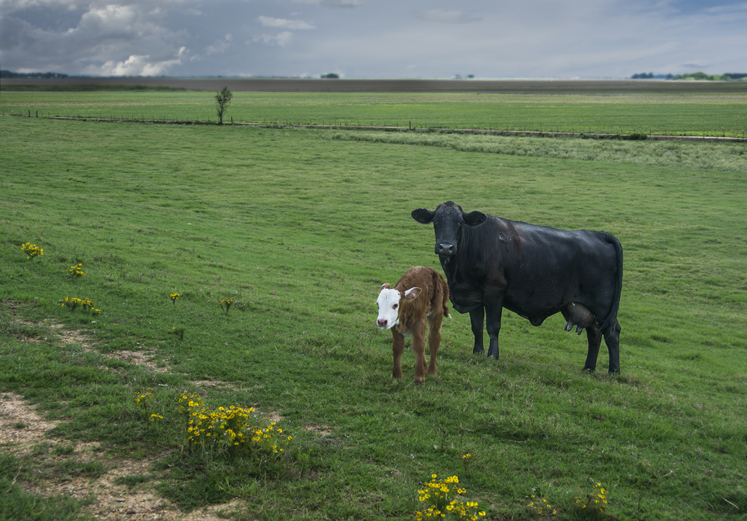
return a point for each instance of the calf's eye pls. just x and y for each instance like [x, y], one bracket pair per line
[395, 306]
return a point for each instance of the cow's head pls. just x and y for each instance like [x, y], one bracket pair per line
[389, 305]
[448, 220]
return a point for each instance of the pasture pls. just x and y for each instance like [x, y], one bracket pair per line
[301, 227]
[700, 114]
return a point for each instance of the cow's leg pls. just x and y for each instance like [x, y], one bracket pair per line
[612, 339]
[434, 340]
[594, 335]
[477, 318]
[493, 312]
[398, 347]
[418, 346]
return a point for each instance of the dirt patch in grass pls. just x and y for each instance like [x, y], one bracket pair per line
[23, 430]
[124, 490]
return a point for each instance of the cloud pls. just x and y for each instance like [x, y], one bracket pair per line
[447, 17]
[283, 39]
[374, 38]
[334, 4]
[138, 66]
[220, 46]
[103, 38]
[282, 23]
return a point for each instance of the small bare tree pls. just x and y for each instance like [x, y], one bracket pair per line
[222, 99]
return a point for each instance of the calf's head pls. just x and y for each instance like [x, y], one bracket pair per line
[389, 305]
[448, 221]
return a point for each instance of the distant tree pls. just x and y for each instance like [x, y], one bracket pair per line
[222, 99]
[643, 76]
[330, 76]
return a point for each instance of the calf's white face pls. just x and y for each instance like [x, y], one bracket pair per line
[388, 304]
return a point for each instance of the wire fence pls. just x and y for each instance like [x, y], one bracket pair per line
[589, 132]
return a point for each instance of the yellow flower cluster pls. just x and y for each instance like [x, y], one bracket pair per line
[85, 303]
[174, 296]
[596, 500]
[541, 506]
[32, 250]
[225, 303]
[77, 270]
[231, 429]
[441, 497]
[143, 397]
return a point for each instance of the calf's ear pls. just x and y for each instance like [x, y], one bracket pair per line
[474, 218]
[412, 293]
[423, 216]
[384, 286]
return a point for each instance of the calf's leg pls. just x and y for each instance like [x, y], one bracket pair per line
[418, 346]
[434, 340]
[398, 347]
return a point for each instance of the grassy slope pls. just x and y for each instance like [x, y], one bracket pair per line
[301, 231]
[713, 114]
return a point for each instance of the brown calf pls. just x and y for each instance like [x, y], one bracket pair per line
[420, 296]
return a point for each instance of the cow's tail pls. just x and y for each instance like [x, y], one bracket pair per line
[612, 315]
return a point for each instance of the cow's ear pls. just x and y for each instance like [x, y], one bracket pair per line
[412, 293]
[384, 286]
[474, 218]
[423, 216]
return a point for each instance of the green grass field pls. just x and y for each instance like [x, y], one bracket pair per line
[301, 227]
[706, 114]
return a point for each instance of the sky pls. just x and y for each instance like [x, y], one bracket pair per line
[563, 39]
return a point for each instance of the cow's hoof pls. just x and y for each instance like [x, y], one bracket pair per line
[613, 372]
[589, 369]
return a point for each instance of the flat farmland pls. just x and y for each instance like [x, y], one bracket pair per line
[706, 111]
[300, 228]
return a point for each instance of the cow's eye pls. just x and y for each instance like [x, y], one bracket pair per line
[395, 306]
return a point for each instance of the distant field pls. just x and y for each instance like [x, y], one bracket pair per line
[702, 113]
[301, 227]
[388, 86]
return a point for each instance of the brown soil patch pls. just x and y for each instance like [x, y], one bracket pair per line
[321, 430]
[21, 429]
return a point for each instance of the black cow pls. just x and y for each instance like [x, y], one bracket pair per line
[492, 263]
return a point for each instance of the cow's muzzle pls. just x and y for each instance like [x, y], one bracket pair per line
[445, 249]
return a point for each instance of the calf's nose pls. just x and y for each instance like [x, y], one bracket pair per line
[382, 322]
